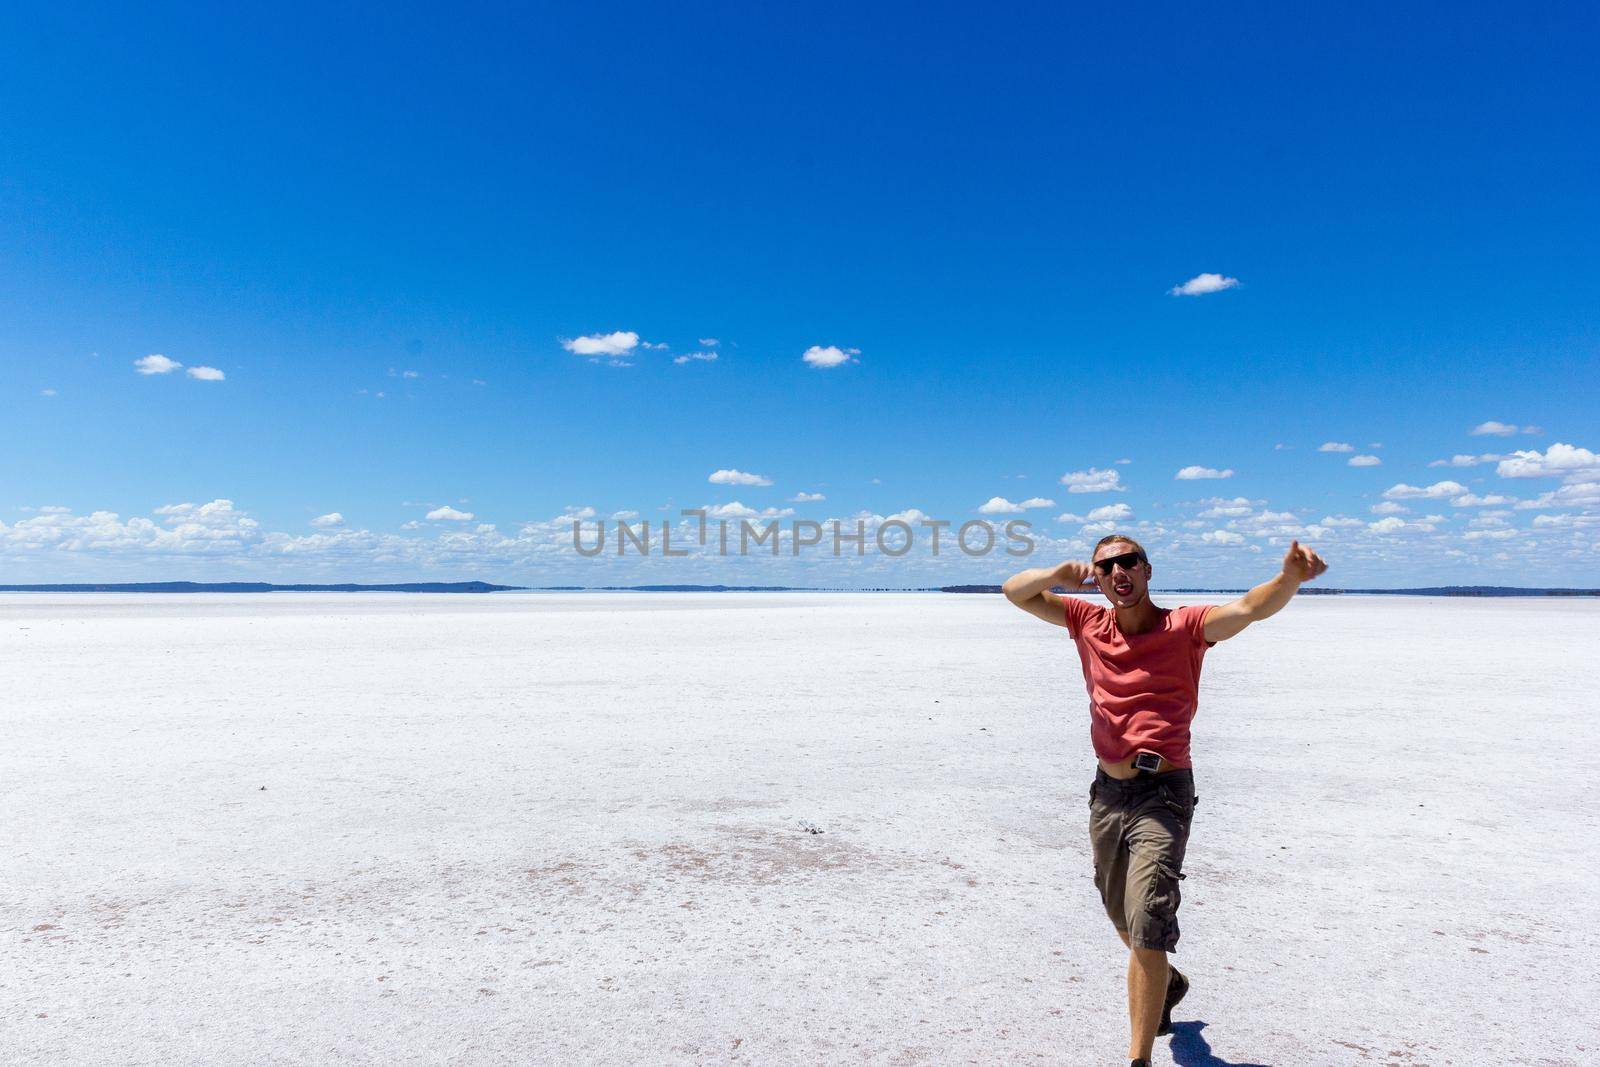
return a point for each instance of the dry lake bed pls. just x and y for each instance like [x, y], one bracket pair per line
[774, 829]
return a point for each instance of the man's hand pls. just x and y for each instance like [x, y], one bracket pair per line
[1301, 564]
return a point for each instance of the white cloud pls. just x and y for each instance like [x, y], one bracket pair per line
[735, 477]
[1460, 460]
[737, 510]
[693, 357]
[624, 516]
[1230, 509]
[1502, 429]
[332, 518]
[1435, 491]
[620, 343]
[1388, 507]
[1393, 525]
[205, 374]
[1123, 462]
[909, 515]
[207, 529]
[806, 498]
[1568, 522]
[449, 514]
[47, 392]
[217, 512]
[1201, 284]
[1572, 495]
[1222, 537]
[409, 374]
[1070, 517]
[709, 342]
[1558, 459]
[999, 505]
[573, 511]
[1111, 513]
[1337, 521]
[1473, 500]
[156, 365]
[1093, 480]
[1189, 474]
[1365, 461]
[1335, 446]
[830, 356]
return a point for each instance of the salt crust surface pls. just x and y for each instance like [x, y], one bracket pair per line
[568, 829]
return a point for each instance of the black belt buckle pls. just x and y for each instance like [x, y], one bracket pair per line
[1147, 761]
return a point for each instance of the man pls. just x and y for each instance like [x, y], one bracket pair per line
[1141, 665]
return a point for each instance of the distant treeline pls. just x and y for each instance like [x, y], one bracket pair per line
[258, 587]
[1312, 590]
[486, 587]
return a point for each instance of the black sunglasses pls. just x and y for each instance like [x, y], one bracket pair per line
[1127, 559]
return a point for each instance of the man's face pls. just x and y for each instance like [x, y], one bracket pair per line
[1129, 580]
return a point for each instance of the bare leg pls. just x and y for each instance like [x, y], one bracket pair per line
[1147, 992]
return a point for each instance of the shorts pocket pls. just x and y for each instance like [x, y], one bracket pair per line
[1176, 802]
[1162, 907]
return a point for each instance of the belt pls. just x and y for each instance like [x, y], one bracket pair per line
[1154, 766]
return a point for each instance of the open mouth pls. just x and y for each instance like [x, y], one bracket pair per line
[1122, 588]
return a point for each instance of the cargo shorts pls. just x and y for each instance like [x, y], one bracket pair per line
[1139, 829]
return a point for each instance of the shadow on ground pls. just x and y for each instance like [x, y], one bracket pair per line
[1189, 1049]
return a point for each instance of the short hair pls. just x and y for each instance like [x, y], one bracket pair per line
[1109, 538]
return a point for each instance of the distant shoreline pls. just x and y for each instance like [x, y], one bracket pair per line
[486, 587]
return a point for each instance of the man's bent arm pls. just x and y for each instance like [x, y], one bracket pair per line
[1266, 599]
[1030, 590]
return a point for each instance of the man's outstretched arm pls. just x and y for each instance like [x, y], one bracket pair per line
[1030, 590]
[1267, 599]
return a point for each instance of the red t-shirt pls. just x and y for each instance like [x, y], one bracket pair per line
[1143, 688]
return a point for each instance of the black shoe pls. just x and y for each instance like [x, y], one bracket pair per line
[1139, 1063]
[1177, 986]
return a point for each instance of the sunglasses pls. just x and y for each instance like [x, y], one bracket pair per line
[1127, 560]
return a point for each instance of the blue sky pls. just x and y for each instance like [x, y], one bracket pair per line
[387, 230]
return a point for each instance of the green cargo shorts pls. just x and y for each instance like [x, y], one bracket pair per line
[1139, 828]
